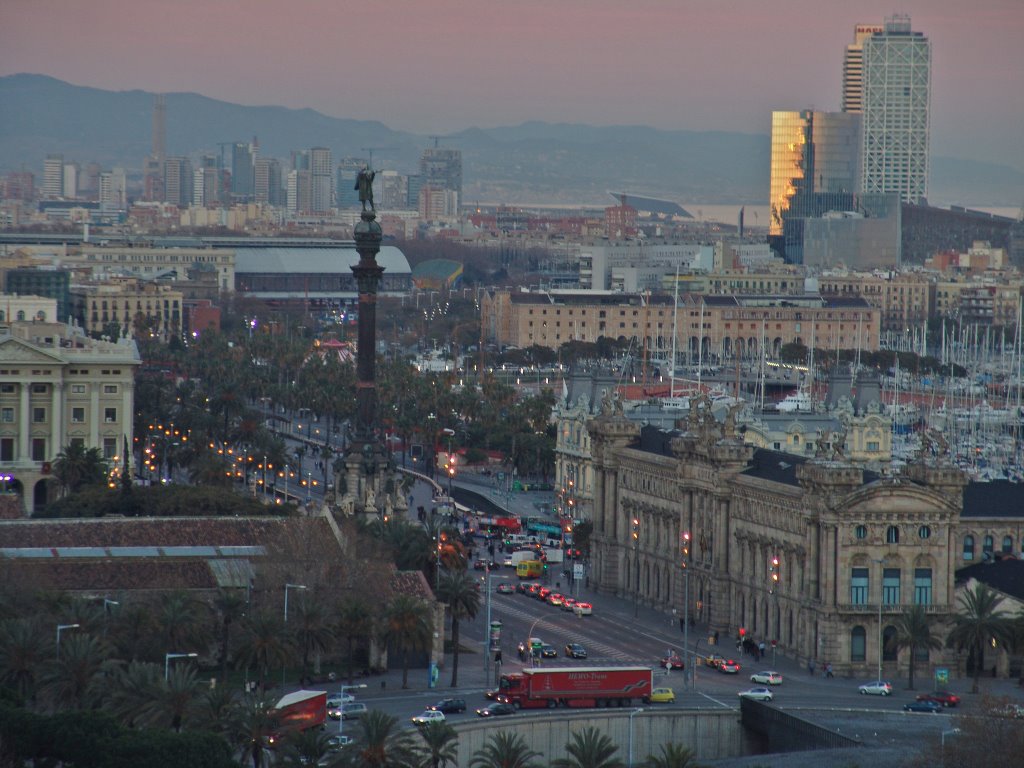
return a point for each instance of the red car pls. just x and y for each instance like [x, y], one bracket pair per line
[945, 698]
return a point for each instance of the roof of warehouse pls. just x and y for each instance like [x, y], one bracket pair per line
[314, 260]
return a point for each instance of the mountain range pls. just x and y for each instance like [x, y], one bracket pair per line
[535, 162]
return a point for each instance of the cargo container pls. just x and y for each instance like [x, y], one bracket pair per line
[299, 711]
[577, 687]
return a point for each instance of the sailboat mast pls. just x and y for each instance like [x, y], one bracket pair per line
[675, 335]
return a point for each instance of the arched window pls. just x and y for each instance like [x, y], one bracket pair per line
[890, 650]
[860, 532]
[858, 644]
[924, 532]
[892, 535]
[968, 548]
[987, 547]
[1007, 545]
[21, 314]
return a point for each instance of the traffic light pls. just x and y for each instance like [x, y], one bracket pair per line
[773, 574]
[636, 530]
[743, 633]
[686, 548]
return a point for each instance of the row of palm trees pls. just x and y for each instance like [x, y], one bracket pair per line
[980, 622]
[381, 743]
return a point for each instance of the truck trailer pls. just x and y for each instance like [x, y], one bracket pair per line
[299, 711]
[576, 687]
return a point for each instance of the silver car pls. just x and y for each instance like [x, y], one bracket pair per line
[876, 688]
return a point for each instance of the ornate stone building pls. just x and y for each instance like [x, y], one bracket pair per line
[855, 548]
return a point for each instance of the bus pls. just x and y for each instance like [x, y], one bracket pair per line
[530, 569]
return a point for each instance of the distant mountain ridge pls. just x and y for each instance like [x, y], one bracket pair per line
[534, 162]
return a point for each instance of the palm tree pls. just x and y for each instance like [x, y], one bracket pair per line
[459, 590]
[230, 606]
[912, 632]
[264, 644]
[77, 466]
[440, 745]
[672, 756]
[354, 623]
[253, 723]
[216, 708]
[313, 634]
[302, 748]
[181, 620]
[589, 748]
[134, 686]
[408, 627]
[131, 630]
[381, 744]
[175, 699]
[78, 679]
[979, 621]
[24, 650]
[505, 750]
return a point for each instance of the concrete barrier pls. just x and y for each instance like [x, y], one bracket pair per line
[711, 734]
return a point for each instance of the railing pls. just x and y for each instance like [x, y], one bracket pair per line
[889, 608]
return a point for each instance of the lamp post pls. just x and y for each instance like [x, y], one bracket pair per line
[636, 559]
[61, 628]
[309, 487]
[687, 660]
[107, 603]
[632, 714]
[6, 478]
[341, 714]
[881, 593]
[167, 661]
[264, 478]
[487, 625]
[287, 469]
[286, 588]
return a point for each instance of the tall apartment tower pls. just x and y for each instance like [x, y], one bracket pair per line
[853, 67]
[321, 168]
[112, 189]
[442, 169]
[243, 158]
[53, 176]
[897, 66]
[179, 181]
[268, 181]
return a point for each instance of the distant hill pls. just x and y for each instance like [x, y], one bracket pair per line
[534, 162]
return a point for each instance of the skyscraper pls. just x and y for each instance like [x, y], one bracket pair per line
[53, 176]
[896, 96]
[815, 164]
[853, 67]
[242, 163]
[442, 169]
[321, 179]
[268, 181]
[178, 181]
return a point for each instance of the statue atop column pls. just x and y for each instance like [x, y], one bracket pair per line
[364, 185]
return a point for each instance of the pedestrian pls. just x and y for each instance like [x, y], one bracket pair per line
[810, 667]
[828, 670]
[760, 648]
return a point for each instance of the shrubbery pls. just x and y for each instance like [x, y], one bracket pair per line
[161, 501]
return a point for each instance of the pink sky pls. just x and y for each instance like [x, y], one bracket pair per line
[443, 65]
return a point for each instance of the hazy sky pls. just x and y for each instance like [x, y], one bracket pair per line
[443, 65]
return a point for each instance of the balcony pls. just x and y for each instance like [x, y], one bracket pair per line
[889, 608]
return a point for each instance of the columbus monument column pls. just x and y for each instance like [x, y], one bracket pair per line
[370, 486]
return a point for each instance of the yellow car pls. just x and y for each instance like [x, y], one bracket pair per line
[662, 696]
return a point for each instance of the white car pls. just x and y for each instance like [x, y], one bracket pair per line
[428, 716]
[335, 700]
[757, 694]
[877, 688]
[583, 609]
[766, 678]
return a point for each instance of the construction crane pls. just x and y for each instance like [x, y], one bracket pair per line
[371, 150]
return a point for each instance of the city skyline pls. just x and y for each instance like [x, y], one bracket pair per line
[451, 64]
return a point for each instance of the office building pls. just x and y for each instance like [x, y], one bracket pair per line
[50, 283]
[815, 164]
[348, 170]
[321, 172]
[268, 187]
[242, 162]
[442, 169]
[69, 181]
[178, 181]
[896, 96]
[113, 189]
[853, 68]
[53, 176]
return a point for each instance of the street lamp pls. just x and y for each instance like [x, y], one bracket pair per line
[341, 714]
[309, 487]
[636, 558]
[632, 714]
[487, 625]
[167, 661]
[286, 588]
[61, 628]
[688, 661]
